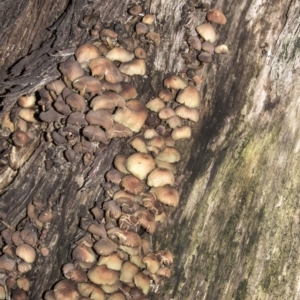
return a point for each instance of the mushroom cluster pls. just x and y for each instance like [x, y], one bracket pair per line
[20, 248]
[93, 102]
[203, 46]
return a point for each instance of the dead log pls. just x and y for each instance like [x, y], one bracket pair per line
[235, 231]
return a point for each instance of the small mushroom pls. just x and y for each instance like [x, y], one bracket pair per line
[87, 84]
[27, 114]
[86, 53]
[148, 19]
[142, 281]
[134, 67]
[208, 47]
[174, 82]
[184, 132]
[140, 165]
[66, 289]
[221, 49]
[160, 177]
[120, 54]
[135, 10]
[128, 271]
[188, 113]
[207, 32]
[166, 195]
[155, 104]
[154, 37]
[133, 185]
[189, 96]
[133, 115]
[205, 57]
[194, 42]
[169, 154]
[141, 28]
[102, 275]
[95, 134]
[100, 117]
[27, 101]
[21, 138]
[216, 16]
[140, 53]
[108, 100]
[76, 102]
[71, 70]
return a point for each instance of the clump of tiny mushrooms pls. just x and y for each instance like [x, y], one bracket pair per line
[92, 103]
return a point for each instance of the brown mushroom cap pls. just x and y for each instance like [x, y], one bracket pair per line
[140, 164]
[105, 67]
[26, 101]
[216, 16]
[140, 53]
[76, 102]
[188, 113]
[128, 271]
[133, 115]
[166, 195]
[119, 163]
[86, 52]
[102, 275]
[169, 154]
[27, 114]
[194, 42]
[160, 177]
[142, 281]
[21, 138]
[134, 67]
[126, 238]
[147, 220]
[139, 144]
[148, 19]
[90, 291]
[56, 86]
[76, 118]
[26, 252]
[88, 84]
[120, 54]
[151, 262]
[207, 32]
[165, 257]
[100, 117]
[221, 49]
[95, 134]
[166, 113]
[133, 185]
[189, 96]
[113, 209]
[154, 37]
[184, 132]
[116, 296]
[135, 10]
[108, 100]
[118, 131]
[114, 176]
[128, 205]
[205, 57]
[105, 246]
[174, 82]
[155, 104]
[66, 289]
[71, 69]
[128, 91]
[165, 95]
[129, 222]
[62, 107]
[84, 254]
[208, 47]
[174, 122]
[112, 261]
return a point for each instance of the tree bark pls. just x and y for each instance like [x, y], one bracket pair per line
[235, 232]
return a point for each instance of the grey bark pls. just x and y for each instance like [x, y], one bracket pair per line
[235, 233]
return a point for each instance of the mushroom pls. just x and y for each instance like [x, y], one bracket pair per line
[142, 281]
[189, 96]
[119, 163]
[86, 53]
[216, 16]
[221, 49]
[169, 154]
[105, 247]
[166, 195]
[207, 32]
[21, 138]
[148, 19]
[90, 291]
[174, 82]
[174, 122]
[126, 238]
[95, 134]
[133, 115]
[84, 254]
[208, 47]
[87, 84]
[194, 42]
[66, 289]
[139, 144]
[27, 101]
[76, 102]
[165, 95]
[205, 57]
[184, 132]
[128, 271]
[147, 220]
[62, 107]
[71, 70]
[27, 114]
[140, 53]
[26, 252]
[141, 28]
[155, 104]
[128, 91]
[187, 113]
[104, 67]
[166, 113]
[133, 185]
[128, 206]
[135, 10]
[120, 54]
[151, 262]
[118, 131]
[76, 118]
[108, 100]
[129, 222]
[100, 117]
[134, 67]
[112, 261]
[154, 37]
[140, 164]
[160, 177]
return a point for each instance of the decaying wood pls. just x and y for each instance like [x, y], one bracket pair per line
[235, 234]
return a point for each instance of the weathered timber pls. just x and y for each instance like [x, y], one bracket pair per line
[235, 234]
